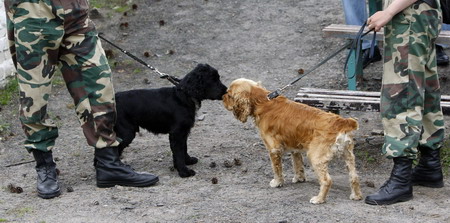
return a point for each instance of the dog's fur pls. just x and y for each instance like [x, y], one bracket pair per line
[288, 126]
[169, 110]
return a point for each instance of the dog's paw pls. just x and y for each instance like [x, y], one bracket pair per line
[186, 172]
[191, 160]
[298, 179]
[316, 200]
[356, 197]
[276, 183]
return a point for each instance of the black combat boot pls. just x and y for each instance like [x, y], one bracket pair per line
[111, 171]
[428, 172]
[47, 179]
[441, 57]
[398, 188]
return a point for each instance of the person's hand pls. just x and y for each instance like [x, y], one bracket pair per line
[379, 19]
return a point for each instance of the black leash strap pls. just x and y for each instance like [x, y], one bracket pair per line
[355, 42]
[175, 81]
[356, 47]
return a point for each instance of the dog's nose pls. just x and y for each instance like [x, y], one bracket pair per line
[224, 89]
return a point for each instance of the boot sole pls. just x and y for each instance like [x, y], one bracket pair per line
[439, 184]
[399, 199]
[106, 184]
[49, 196]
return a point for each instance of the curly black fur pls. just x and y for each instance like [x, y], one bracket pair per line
[169, 110]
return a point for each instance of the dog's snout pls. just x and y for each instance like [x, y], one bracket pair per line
[224, 89]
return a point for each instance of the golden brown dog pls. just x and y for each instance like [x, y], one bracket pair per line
[288, 126]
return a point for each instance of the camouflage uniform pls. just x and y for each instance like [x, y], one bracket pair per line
[44, 35]
[410, 95]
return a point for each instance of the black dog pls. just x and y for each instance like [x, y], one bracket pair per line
[168, 110]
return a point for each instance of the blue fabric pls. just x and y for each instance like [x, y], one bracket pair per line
[355, 12]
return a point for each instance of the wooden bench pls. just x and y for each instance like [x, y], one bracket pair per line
[349, 32]
[337, 100]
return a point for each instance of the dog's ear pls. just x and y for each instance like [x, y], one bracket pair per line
[242, 107]
[193, 82]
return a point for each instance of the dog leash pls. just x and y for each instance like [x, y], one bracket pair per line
[175, 81]
[356, 43]
[356, 46]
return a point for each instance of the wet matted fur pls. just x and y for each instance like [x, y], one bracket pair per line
[169, 110]
[288, 126]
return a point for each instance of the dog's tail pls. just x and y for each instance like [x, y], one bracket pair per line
[347, 125]
[344, 140]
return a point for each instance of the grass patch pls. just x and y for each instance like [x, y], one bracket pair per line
[11, 89]
[119, 6]
[365, 155]
[445, 157]
[3, 220]
[4, 127]
[137, 71]
[20, 212]
[58, 80]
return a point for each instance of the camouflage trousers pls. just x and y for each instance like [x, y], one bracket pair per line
[46, 35]
[410, 97]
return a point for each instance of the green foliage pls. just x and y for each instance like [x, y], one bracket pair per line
[20, 212]
[119, 6]
[3, 220]
[121, 9]
[58, 80]
[112, 63]
[365, 155]
[445, 157]
[11, 89]
[137, 71]
[4, 127]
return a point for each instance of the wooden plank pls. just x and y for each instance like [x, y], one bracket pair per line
[349, 32]
[351, 100]
[336, 100]
[340, 92]
[337, 97]
[350, 93]
[352, 105]
[340, 105]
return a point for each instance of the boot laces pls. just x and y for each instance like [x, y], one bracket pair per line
[47, 173]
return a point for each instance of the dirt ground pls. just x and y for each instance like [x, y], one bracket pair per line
[263, 40]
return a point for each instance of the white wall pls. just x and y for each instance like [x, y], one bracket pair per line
[6, 64]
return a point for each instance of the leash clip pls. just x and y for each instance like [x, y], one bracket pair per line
[274, 94]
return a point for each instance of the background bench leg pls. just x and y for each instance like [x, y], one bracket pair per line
[374, 6]
[353, 70]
